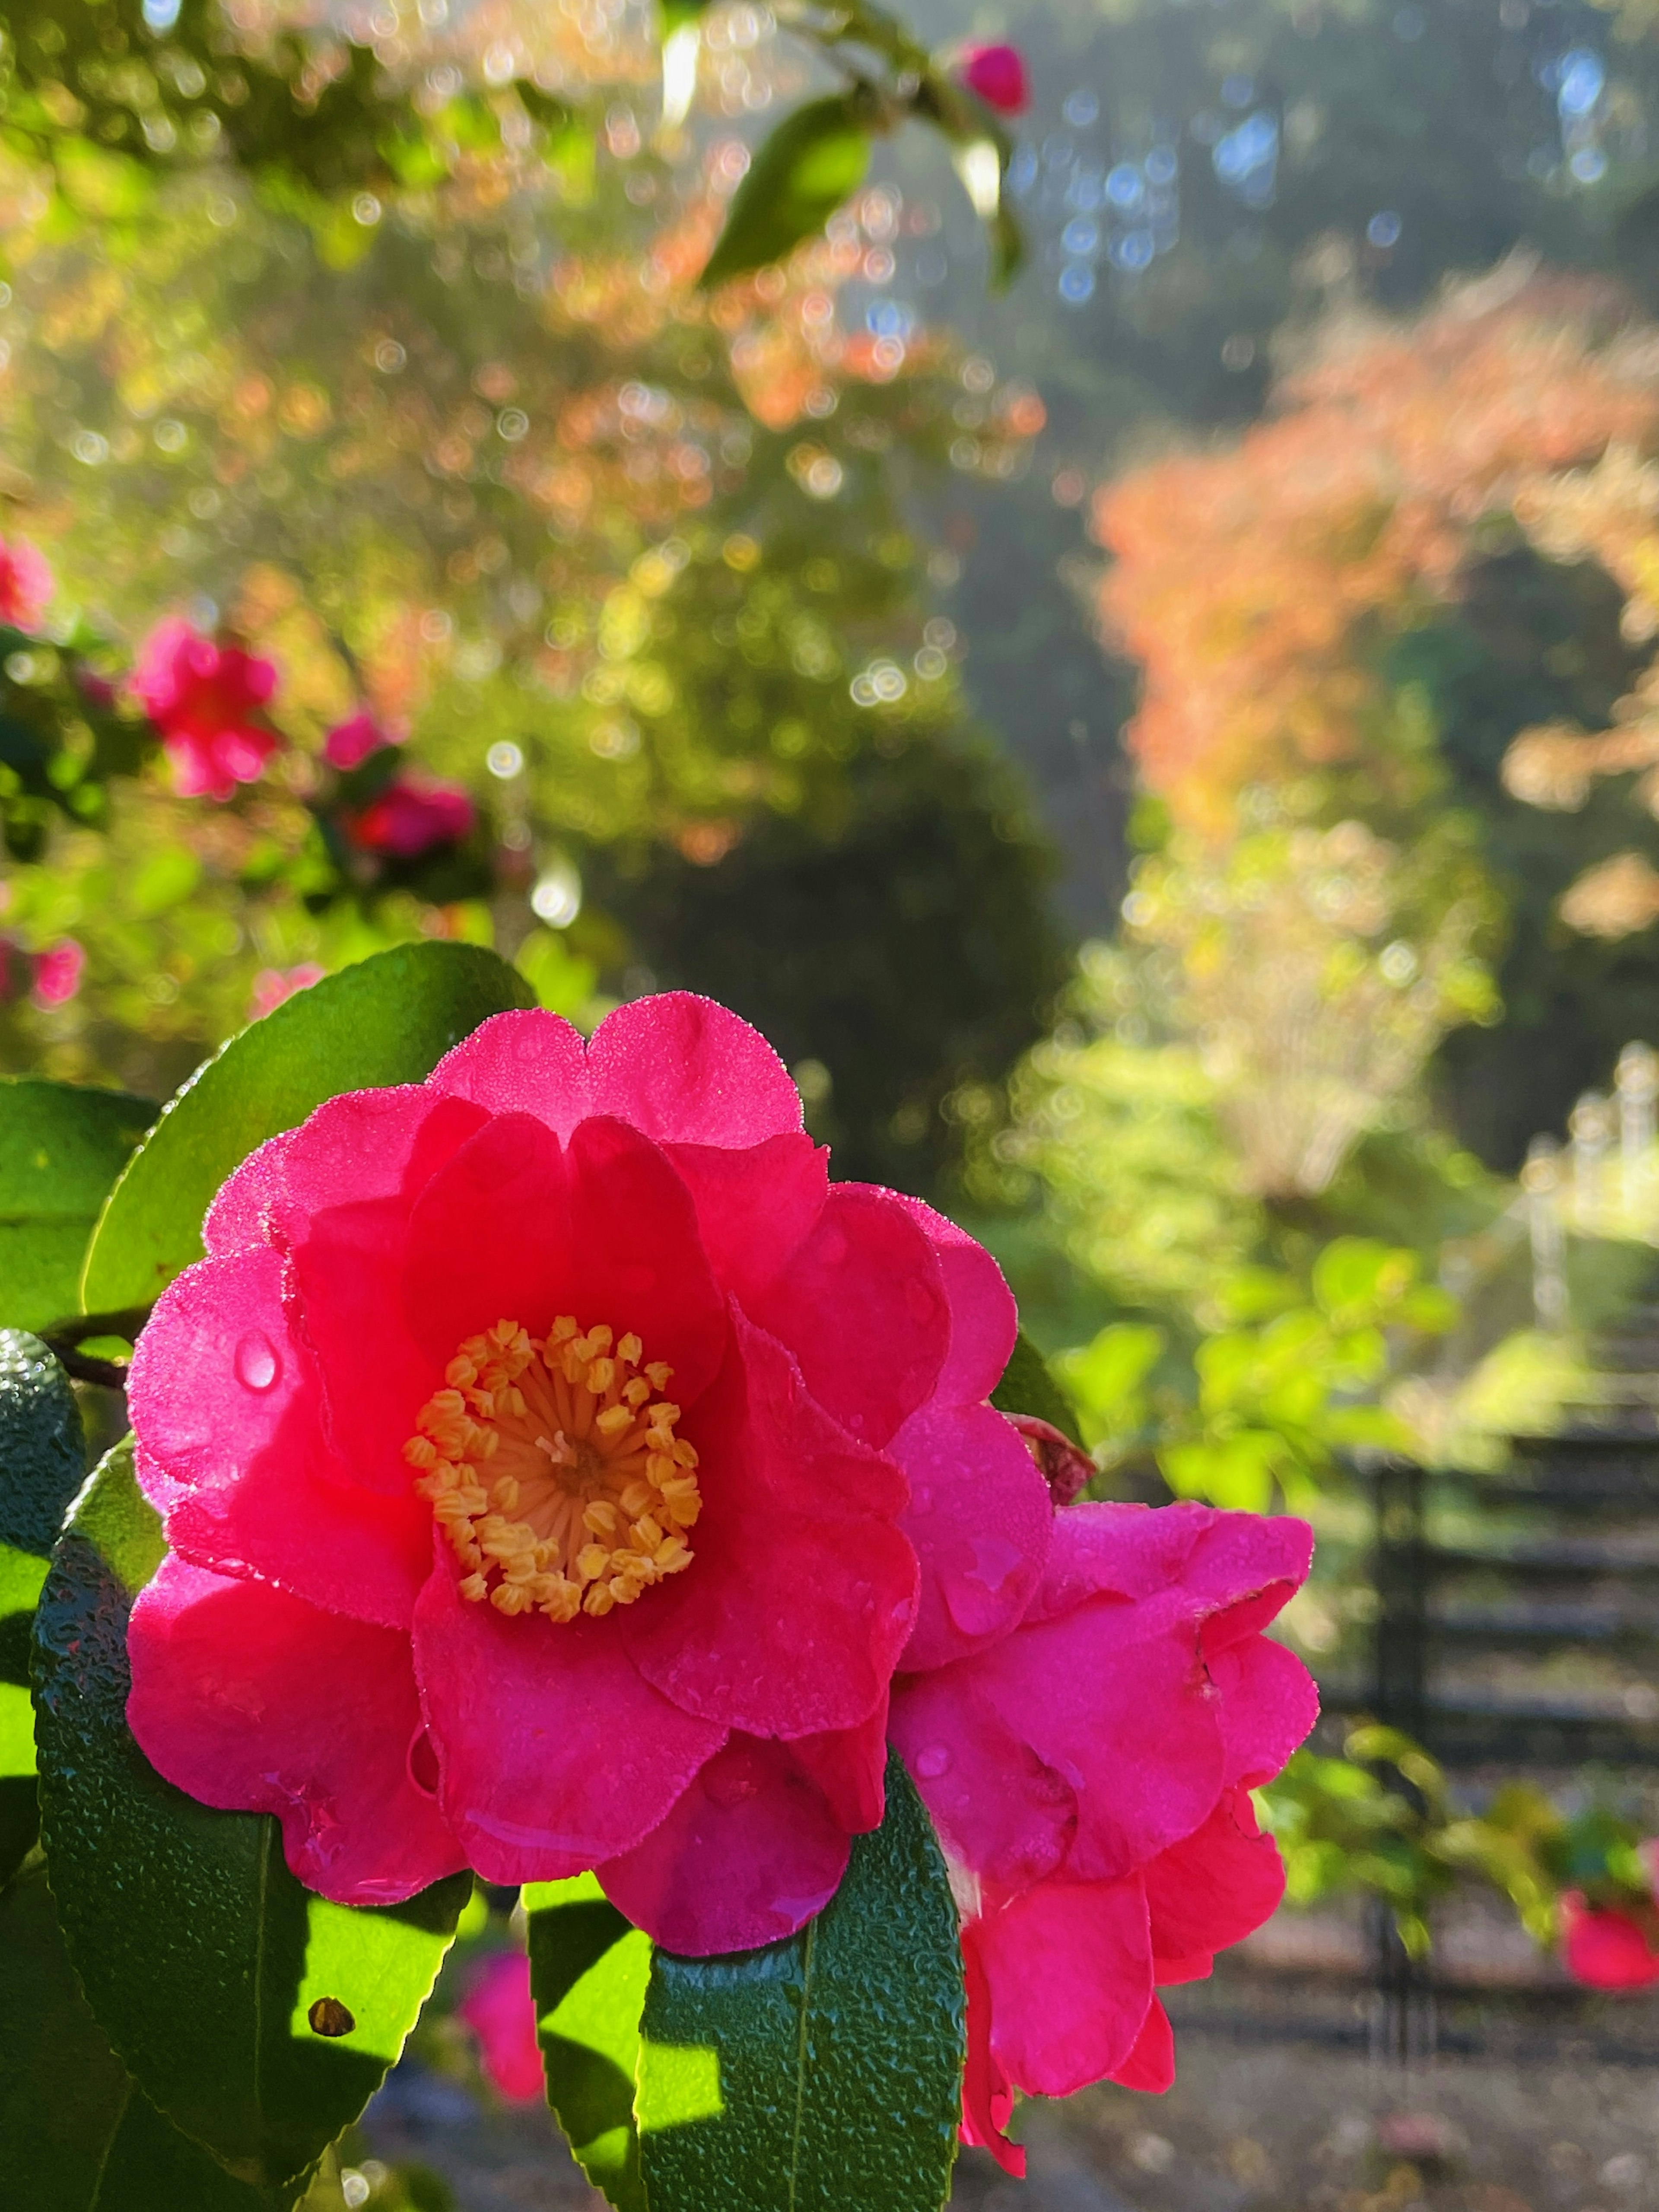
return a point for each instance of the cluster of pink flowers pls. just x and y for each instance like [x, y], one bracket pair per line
[51, 977]
[641, 1484]
[207, 701]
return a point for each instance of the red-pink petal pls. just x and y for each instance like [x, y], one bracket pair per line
[1604, 1949]
[987, 2097]
[984, 1319]
[1151, 2065]
[850, 1766]
[501, 2011]
[802, 1590]
[553, 1753]
[237, 1217]
[748, 1855]
[489, 1239]
[861, 1306]
[520, 1063]
[687, 1071]
[252, 1700]
[1070, 1970]
[1269, 1703]
[980, 1518]
[1215, 1887]
[997, 1808]
[754, 1207]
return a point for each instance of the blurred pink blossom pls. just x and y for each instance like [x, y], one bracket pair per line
[202, 697]
[501, 2012]
[350, 743]
[57, 973]
[411, 814]
[25, 584]
[998, 75]
[272, 986]
[1606, 1948]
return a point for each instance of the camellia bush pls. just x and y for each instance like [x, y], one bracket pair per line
[539, 1472]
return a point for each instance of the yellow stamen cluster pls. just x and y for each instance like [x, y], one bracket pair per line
[553, 1467]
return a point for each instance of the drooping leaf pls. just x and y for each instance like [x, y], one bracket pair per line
[76, 2133]
[812, 162]
[201, 1955]
[61, 1150]
[588, 1971]
[388, 1019]
[821, 2073]
[1027, 1386]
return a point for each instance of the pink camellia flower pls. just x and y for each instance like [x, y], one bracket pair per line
[27, 584]
[556, 1466]
[1089, 1775]
[57, 973]
[998, 75]
[411, 814]
[205, 698]
[275, 987]
[350, 743]
[1605, 1947]
[501, 2012]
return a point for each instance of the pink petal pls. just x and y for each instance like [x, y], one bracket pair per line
[861, 1306]
[686, 1072]
[849, 1765]
[980, 1517]
[553, 1752]
[999, 1810]
[802, 1590]
[236, 1218]
[987, 2097]
[520, 1063]
[747, 1856]
[1200, 1561]
[1151, 2065]
[489, 1239]
[254, 1701]
[1214, 1887]
[984, 1319]
[1269, 1703]
[1121, 1704]
[754, 1207]
[1070, 1970]
[1605, 1949]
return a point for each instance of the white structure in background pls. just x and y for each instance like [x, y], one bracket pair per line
[1598, 1187]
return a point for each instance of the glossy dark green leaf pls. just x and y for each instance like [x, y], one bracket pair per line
[42, 1450]
[588, 1971]
[811, 163]
[388, 1019]
[201, 1955]
[1027, 1386]
[61, 1149]
[76, 2133]
[822, 2073]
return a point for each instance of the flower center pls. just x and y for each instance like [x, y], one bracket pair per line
[553, 1467]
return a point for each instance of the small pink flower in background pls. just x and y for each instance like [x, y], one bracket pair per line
[1089, 1775]
[350, 744]
[998, 75]
[1605, 1947]
[413, 813]
[57, 973]
[273, 985]
[501, 2012]
[203, 698]
[27, 584]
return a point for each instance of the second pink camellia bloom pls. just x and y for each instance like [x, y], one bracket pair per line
[557, 1468]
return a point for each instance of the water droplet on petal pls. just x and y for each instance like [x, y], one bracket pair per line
[257, 1364]
[932, 1760]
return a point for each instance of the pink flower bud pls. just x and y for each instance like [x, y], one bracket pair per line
[413, 813]
[998, 75]
[57, 973]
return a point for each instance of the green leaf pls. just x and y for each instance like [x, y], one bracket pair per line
[76, 2133]
[823, 2072]
[588, 1971]
[1027, 1386]
[388, 1019]
[61, 1149]
[812, 162]
[199, 1953]
[42, 1451]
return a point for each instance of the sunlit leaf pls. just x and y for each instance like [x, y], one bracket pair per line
[812, 162]
[588, 1971]
[61, 1149]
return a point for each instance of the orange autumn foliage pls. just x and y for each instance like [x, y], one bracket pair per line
[1254, 584]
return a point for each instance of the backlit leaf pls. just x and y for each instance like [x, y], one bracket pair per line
[812, 162]
[61, 1150]
[588, 1971]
